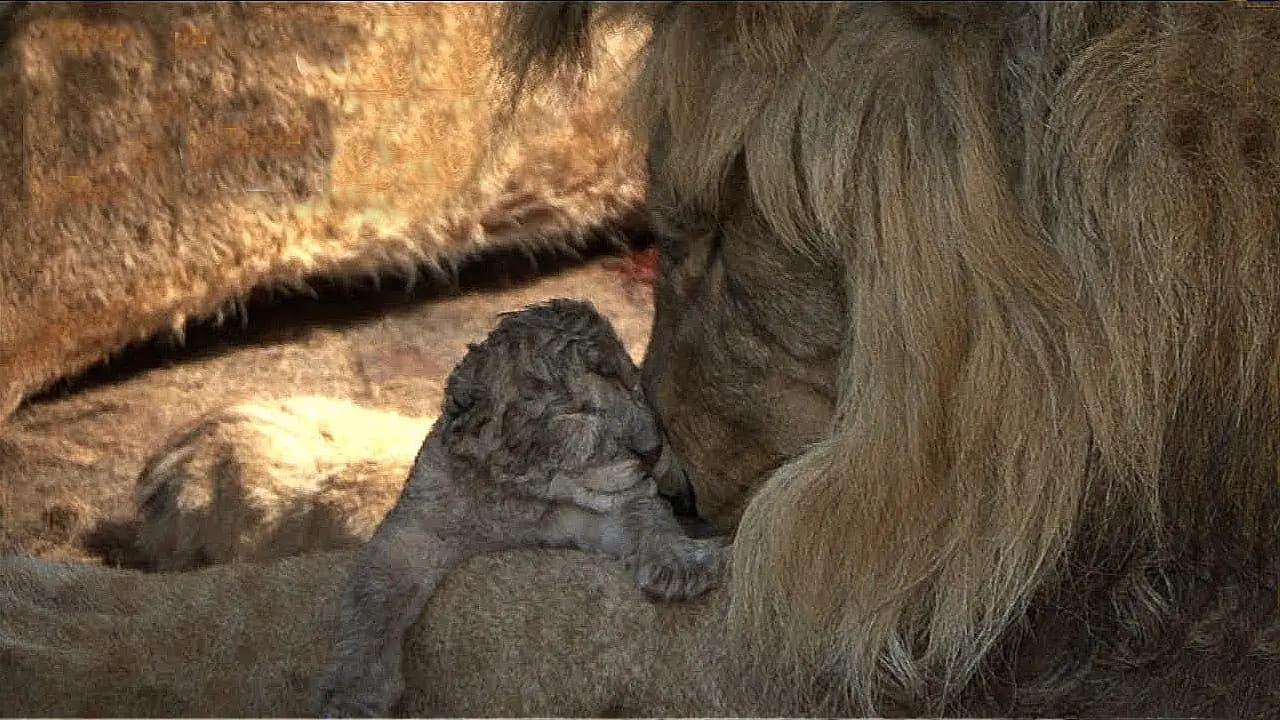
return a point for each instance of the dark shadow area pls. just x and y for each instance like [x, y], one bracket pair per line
[114, 541]
[273, 315]
[9, 14]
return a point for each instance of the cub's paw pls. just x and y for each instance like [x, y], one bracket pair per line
[339, 696]
[678, 569]
[347, 706]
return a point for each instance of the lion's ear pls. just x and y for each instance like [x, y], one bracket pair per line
[569, 438]
[458, 410]
[463, 431]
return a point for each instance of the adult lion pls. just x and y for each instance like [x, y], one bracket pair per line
[967, 320]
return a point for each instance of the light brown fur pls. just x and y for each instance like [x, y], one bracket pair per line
[259, 481]
[247, 640]
[1010, 271]
[170, 159]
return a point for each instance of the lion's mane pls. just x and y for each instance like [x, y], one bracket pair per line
[1057, 406]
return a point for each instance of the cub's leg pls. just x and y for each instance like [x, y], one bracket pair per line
[437, 523]
[668, 564]
[642, 531]
[395, 575]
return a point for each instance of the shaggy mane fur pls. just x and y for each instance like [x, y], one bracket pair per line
[1059, 230]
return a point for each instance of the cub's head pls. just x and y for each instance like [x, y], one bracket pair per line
[551, 401]
[749, 328]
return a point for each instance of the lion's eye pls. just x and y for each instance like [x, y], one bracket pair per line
[673, 225]
[674, 248]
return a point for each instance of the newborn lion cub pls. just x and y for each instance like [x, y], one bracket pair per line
[543, 440]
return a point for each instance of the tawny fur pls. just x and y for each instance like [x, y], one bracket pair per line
[572, 635]
[1013, 269]
[266, 480]
[169, 159]
[544, 440]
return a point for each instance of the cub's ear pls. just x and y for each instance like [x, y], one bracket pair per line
[570, 438]
[640, 433]
[464, 391]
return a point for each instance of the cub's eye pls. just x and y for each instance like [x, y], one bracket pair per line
[673, 251]
[649, 456]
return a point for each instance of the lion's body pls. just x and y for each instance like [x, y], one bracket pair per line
[265, 480]
[248, 640]
[170, 159]
[968, 318]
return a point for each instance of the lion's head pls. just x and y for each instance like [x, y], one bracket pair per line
[970, 313]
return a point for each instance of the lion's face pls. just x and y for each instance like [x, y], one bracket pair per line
[741, 366]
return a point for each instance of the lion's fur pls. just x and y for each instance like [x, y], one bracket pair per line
[167, 160]
[264, 480]
[1059, 231]
[247, 640]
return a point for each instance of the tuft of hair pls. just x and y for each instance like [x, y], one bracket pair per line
[542, 341]
[541, 38]
[1057, 224]
[558, 44]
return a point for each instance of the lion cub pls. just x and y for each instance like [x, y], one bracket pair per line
[543, 440]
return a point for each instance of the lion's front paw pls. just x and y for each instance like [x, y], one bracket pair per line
[678, 570]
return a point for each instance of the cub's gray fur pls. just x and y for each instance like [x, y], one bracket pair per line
[543, 440]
